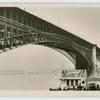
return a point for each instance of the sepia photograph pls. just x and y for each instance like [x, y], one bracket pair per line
[50, 47]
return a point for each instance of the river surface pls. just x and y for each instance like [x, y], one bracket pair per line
[27, 81]
[31, 67]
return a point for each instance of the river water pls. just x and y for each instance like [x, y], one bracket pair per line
[31, 67]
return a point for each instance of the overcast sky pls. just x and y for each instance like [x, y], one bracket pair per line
[81, 21]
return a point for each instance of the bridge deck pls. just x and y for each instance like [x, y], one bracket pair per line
[40, 24]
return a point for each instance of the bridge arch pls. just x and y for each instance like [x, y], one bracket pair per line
[53, 41]
[17, 31]
[81, 61]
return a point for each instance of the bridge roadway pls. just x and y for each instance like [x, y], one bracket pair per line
[83, 50]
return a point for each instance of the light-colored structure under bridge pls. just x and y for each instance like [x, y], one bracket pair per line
[18, 27]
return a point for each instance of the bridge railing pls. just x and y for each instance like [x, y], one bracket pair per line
[12, 23]
[56, 36]
[4, 21]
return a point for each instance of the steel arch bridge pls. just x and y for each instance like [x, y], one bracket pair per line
[15, 31]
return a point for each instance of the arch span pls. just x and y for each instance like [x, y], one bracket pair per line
[81, 61]
[53, 41]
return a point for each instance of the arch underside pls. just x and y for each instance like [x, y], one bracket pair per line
[80, 61]
[49, 40]
[69, 55]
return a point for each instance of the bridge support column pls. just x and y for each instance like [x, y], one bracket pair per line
[94, 62]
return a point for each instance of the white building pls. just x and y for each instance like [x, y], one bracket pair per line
[73, 79]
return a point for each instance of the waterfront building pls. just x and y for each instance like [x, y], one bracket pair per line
[73, 79]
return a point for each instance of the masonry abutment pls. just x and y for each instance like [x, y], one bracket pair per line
[94, 62]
